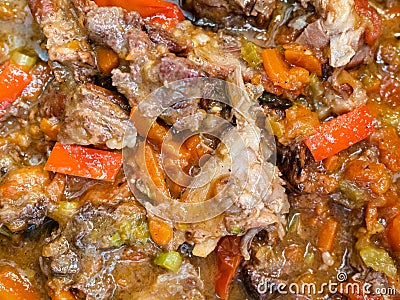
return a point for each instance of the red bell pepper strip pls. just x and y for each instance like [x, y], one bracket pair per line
[340, 133]
[84, 162]
[229, 259]
[159, 12]
[13, 80]
[364, 8]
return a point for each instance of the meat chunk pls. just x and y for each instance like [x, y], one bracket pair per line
[364, 55]
[350, 93]
[144, 79]
[301, 172]
[340, 25]
[119, 30]
[314, 35]
[177, 68]
[259, 10]
[94, 116]
[67, 42]
[176, 114]
[9, 160]
[52, 101]
[216, 54]
[127, 83]
[256, 283]
[24, 197]
[82, 255]
[174, 44]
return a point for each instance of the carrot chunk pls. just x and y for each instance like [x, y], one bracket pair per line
[327, 235]
[63, 295]
[301, 56]
[107, 59]
[160, 231]
[280, 73]
[14, 287]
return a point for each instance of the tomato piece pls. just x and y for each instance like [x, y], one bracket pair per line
[84, 162]
[13, 80]
[364, 8]
[14, 287]
[229, 259]
[159, 12]
[390, 90]
[367, 174]
[389, 144]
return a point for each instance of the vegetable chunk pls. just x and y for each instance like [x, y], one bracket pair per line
[84, 162]
[340, 133]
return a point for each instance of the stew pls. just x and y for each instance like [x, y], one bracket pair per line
[317, 218]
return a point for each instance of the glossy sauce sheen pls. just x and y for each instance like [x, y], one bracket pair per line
[66, 211]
